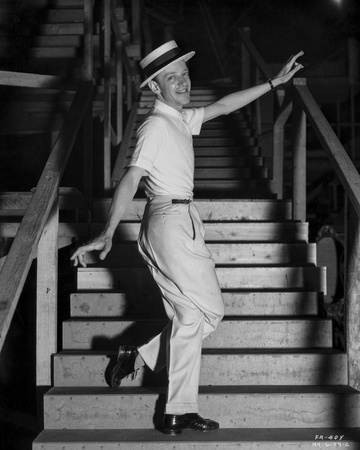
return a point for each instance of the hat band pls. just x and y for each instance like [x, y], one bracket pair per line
[161, 61]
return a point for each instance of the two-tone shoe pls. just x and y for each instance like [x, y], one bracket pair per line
[174, 424]
[125, 365]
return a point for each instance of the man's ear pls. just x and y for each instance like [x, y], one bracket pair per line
[154, 87]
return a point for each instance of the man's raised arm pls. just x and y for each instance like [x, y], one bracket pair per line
[239, 99]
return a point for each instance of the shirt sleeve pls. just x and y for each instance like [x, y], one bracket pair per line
[194, 117]
[149, 139]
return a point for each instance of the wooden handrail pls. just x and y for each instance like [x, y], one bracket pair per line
[24, 247]
[340, 160]
[120, 163]
[111, 28]
[33, 80]
[349, 177]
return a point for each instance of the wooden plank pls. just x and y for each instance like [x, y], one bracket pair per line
[121, 159]
[46, 299]
[106, 21]
[71, 15]
[62, 29]
[216, 210]
[18, 262]
[256, 303]
[54, 52]
[245, 254]
[343, 166]
[234, 333]
[223, 161]
[241, 232]
[242, 278]
[299, 164]
[58, 41]
[236, 173]
[278, 149]
[224, 438]
[352, 286]
[69, 198]
[32, 80]
[260, 407]
[223, 368]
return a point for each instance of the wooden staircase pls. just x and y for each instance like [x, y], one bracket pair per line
[270, 374]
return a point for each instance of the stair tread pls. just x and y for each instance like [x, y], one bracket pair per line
[221, 351]
[207, 390]
[222, 435]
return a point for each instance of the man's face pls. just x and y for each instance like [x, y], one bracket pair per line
[174, 83]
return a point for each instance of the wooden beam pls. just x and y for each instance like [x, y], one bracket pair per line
[18, 202]
[299, 164]
[278, 149]
[24, 247]
[340, 160]
[352, 289]
[121, 159]
[107, 94]
[46, 298]
[32, 80]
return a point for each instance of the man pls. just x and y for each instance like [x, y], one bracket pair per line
[171, 238]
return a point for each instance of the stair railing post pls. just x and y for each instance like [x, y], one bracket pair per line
[299, 159]
[47, 298]
[245, 63]
[352, 289]
[278, 150]
[87, 126]
[119, 92]
[106, 25]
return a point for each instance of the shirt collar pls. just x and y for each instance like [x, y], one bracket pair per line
[174, 114]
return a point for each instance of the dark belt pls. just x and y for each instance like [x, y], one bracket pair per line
[181, 201]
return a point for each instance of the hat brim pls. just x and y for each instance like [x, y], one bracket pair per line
[185, 58]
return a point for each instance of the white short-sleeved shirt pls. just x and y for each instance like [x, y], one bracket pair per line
[164, 148]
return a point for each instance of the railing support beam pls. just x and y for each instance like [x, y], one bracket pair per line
[352, 289]
[46, 298]
[299, 162]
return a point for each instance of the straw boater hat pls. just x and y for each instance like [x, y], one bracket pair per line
[160, 58]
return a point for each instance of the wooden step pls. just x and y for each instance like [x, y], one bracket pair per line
[245, 254]
[62, 29]
[259, 278]
[54, 52]
[233, 173]
[117, 304]
[65, 15]
[240, 232]
[226, 152]
[224, 438]
[228, 162]
[241, 131]
[58, 41]
[217, 210]
[239, 189]
[223, 368]
[234, 407]
[232, 333]
[200, 141]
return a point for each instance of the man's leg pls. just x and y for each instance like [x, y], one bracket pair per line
[172, 244]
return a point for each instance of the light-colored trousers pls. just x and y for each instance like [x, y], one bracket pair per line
[171, 241]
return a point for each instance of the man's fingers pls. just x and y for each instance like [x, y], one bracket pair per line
[106, 250]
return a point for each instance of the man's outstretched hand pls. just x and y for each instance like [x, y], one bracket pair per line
[101, 243]
[289, 69]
